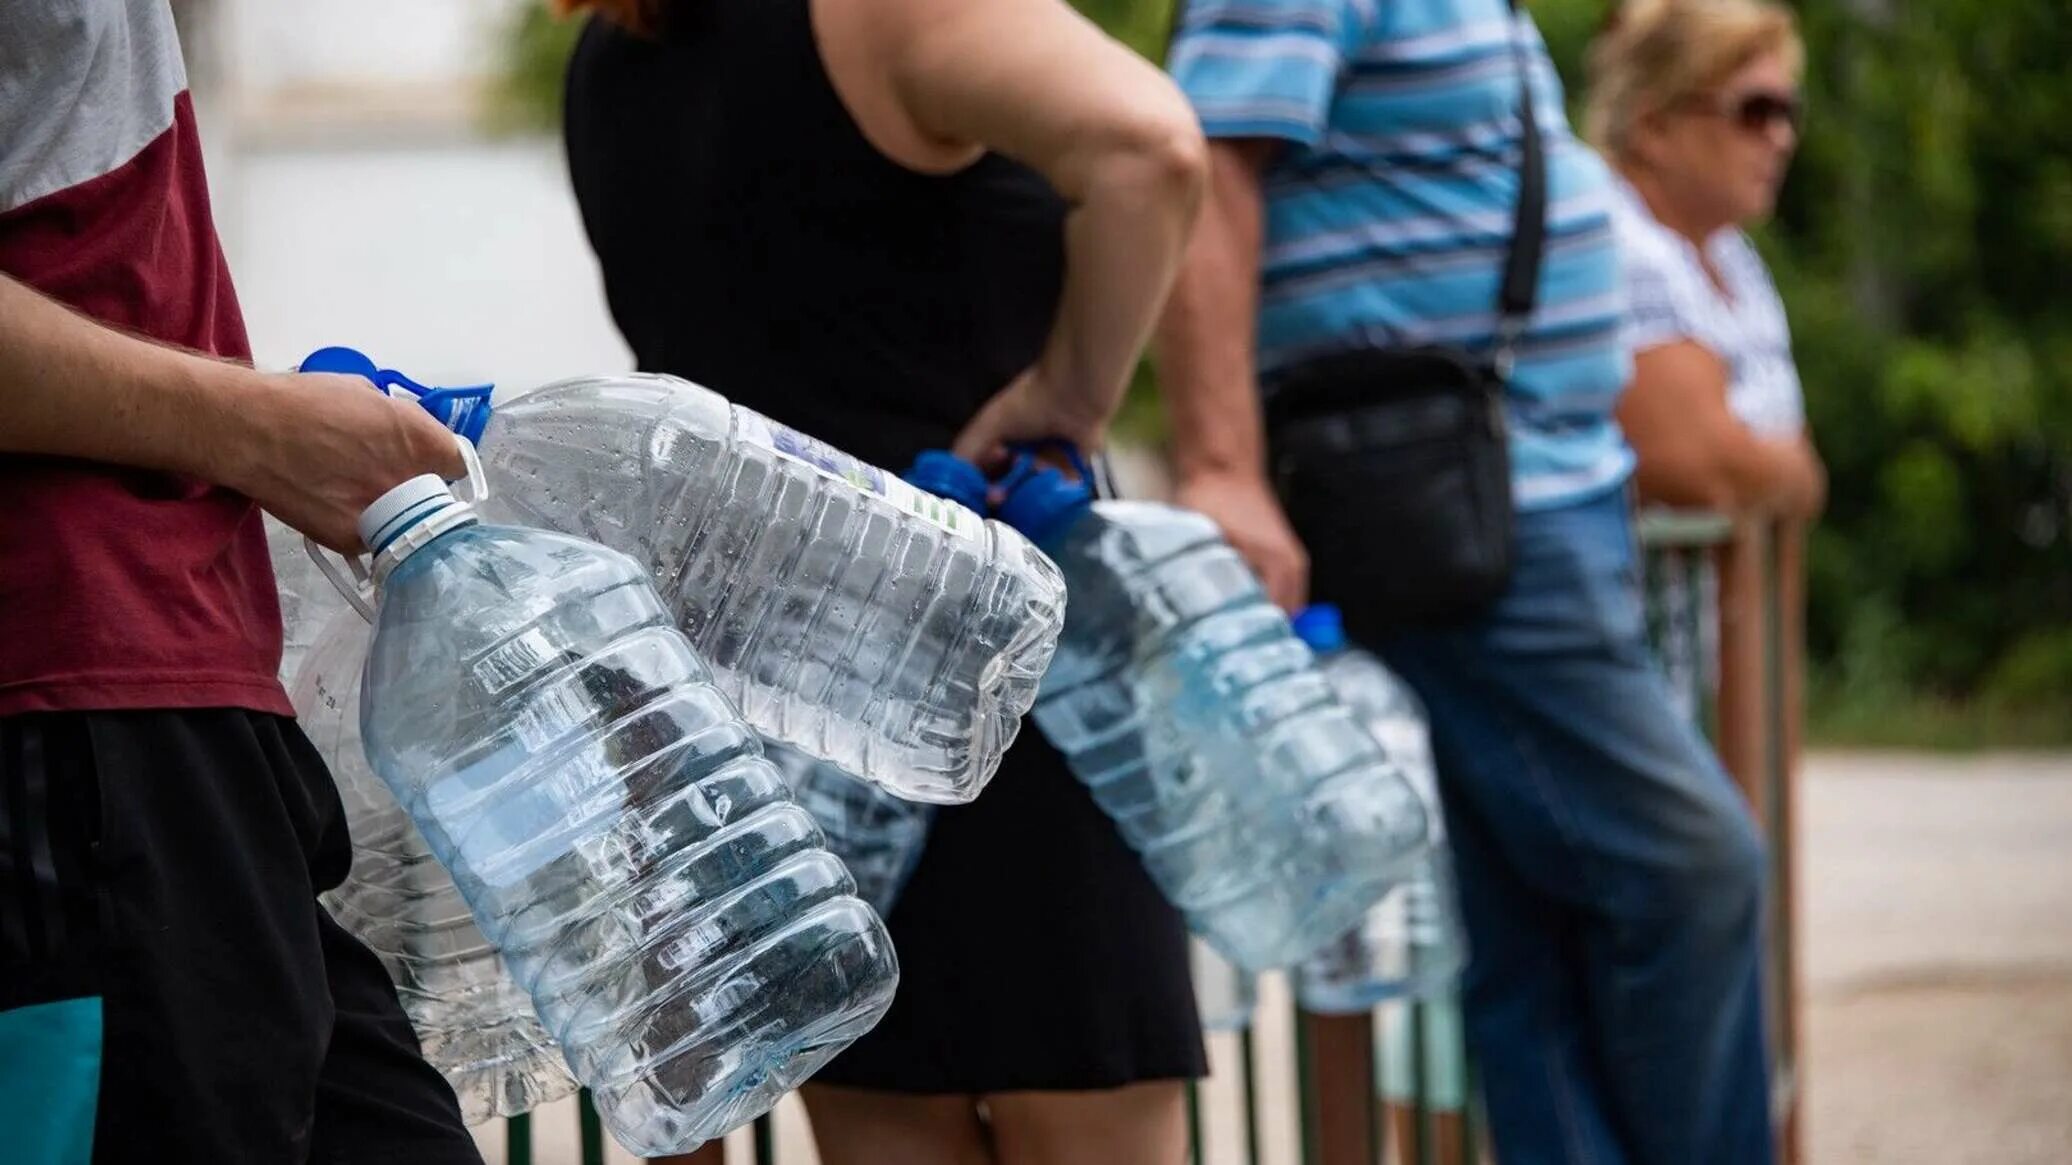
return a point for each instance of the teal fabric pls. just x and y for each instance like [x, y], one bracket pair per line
[50, 1081]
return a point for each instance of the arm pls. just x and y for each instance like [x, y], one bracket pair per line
[1693, 451]
[1035, 81]
[1205, 346]
[315, 450]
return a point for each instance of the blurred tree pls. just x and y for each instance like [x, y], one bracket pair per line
[536, 45]
[1922, 247]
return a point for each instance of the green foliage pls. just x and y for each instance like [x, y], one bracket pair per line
[527, 92]
[1141, 24]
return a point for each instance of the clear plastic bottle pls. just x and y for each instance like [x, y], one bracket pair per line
[867, 623]
[1224, 994]
[877, 835]
[610, 821]
[475, 1025]
[308, 602]
[1411, 943]
[1261, 806]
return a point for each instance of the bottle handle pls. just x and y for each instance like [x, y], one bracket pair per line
[354, 581]
[356, 587]
[472, 474]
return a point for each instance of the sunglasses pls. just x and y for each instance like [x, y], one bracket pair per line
[1756, 112]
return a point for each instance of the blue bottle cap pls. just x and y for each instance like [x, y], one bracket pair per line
[464, 410]
[947, 475]
[1321, 626]
[1042, 502]
[346, 361]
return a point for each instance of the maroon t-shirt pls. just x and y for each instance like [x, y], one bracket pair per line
[120, 588]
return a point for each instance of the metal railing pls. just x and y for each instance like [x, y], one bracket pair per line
[1723, 604]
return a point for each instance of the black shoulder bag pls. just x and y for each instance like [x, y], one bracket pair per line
[1393, 464]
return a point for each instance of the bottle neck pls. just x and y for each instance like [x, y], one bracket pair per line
[418, 534]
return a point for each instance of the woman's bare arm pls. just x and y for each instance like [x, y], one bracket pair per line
[934, 82]
[1693, 450]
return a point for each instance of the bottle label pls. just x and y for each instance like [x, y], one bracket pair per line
[829, 461]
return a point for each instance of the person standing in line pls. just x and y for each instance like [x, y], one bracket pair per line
[902, 225]
[169, 988]
[1368, 162]
[1697, 108]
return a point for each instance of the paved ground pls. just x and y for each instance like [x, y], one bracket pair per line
[1937, 938]
[1936, 934]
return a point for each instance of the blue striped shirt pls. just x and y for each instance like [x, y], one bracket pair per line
[1389, 215]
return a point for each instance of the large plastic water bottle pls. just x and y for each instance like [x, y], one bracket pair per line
[870, 624]
[1261, 806]
[1411, 943]
[475, 1025]
[610, 821]
[877, 835]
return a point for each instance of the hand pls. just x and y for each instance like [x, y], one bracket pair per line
[1806, 495]
[322, 447]
[1031, 408]
[1242, 503]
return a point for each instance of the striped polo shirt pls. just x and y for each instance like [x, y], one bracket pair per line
[1389, 215]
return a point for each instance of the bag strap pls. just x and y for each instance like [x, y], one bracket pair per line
[1521, 284]
[1520, 289]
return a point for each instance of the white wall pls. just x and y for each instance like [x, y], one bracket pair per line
[276, 42]
[454, 264]
[447, 256]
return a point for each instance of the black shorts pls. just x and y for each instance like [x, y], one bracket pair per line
[169, 988]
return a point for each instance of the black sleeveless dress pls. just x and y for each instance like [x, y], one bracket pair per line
[752, 240]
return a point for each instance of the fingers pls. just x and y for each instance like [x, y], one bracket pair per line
[1284, 573]
[343, 540]
[983, 441]
[1284, 587]
[1023, 411]
[431, 445]
[982, 450]
[333, 445]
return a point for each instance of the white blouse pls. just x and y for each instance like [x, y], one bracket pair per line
[1671, 299]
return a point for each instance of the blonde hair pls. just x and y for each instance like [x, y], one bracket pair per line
[641, 16]
[1654, 53]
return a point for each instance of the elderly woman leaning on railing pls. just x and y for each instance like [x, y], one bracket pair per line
[1697, 108]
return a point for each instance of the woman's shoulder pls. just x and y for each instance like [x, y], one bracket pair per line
[1741, 264]
[1645, 245]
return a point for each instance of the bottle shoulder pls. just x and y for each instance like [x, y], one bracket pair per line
[481, 584]
[1133, 538]
[621, 397]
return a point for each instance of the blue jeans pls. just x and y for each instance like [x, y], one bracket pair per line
[1610, 875]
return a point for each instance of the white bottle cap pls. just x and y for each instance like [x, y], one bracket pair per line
[403, 507]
